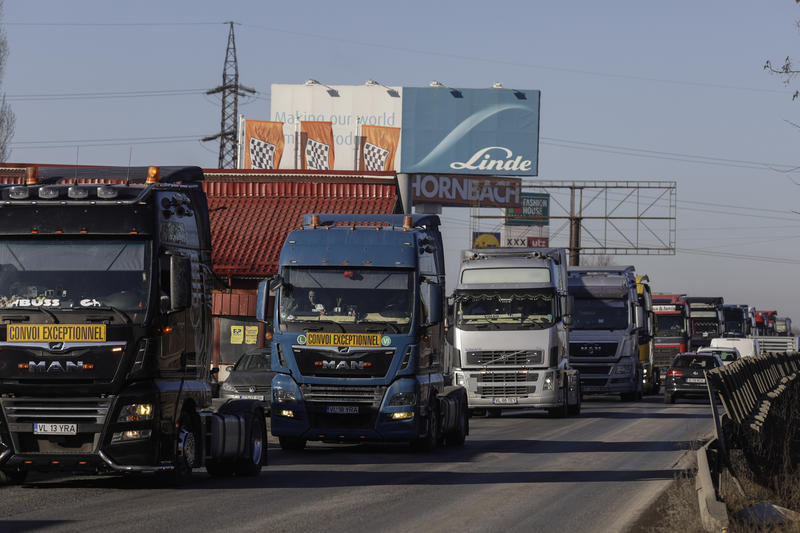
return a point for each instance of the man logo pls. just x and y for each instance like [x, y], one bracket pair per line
[343, 365]
[55, 367]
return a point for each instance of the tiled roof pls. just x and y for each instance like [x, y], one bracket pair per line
[260, 210]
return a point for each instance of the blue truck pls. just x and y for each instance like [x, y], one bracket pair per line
[359, 325]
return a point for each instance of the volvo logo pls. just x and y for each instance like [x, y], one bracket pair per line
[55, 367]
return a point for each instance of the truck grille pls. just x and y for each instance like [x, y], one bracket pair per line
[367, 395]
[506, 377]
[506, 358]
[665, 356]
[597, 370]
[497, 391]
[80, 410]
[592, 349]
[257, 389]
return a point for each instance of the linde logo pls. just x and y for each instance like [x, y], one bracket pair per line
[487, 159]
[466, 190]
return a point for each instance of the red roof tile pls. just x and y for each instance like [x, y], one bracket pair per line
[248, 234]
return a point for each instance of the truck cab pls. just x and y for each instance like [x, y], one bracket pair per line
[672, 326]
[510, 312]
[706, 320]
[359, 323]
[608, 327]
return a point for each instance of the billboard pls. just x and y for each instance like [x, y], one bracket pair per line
[532, 204]
[346, 107]
[417, 130]
[465, 190]
[470, 131]
[485, 240]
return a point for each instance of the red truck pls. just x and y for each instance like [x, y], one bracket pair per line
[671, 335]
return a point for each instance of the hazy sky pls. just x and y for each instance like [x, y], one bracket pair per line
[669, 90]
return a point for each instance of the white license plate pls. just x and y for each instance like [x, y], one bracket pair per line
[259, 397]
[342, 409]
[55, 429]
[504, 400]
[695, 380]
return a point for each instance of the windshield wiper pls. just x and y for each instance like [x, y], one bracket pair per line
[488, 321]
[392, 324]
[320, 321]
[49, 313]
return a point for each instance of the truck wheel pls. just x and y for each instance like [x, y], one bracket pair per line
[459, 435]
[292, 444]
[13, 477]
[250, 465]
[430, 441]
[185, 454]
[562, 410]
[575, 410]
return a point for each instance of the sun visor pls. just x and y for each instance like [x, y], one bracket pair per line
[579, 290]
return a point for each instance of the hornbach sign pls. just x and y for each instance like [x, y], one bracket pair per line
[454, 189]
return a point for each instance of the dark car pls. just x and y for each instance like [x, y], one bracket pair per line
[250, 378]
[686, 377]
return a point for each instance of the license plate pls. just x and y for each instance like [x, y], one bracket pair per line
[259, 397]
[504, 400]
[342, 409]
[695, 380]
[55, 429]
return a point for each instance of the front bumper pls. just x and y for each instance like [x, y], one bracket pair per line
[510, 388]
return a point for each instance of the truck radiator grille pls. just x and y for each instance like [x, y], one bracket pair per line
[505, 358]
[368, 395]
[586, 370]
[257, 389]
[506, 377]
[80, 410]
[664, 356]
[498, 391]
[592, 349]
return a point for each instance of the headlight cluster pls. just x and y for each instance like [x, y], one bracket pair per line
[549, 382]
[403, 398]
[280, 396]
[227, 387]
[136, 412]
[624, 369]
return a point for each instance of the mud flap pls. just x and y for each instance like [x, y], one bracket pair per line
[452, 403]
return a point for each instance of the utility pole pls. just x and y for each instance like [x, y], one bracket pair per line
[574, 229]
[231, 90]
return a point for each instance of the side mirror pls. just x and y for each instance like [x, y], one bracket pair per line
[215, 371]
[262, 301]
[229, 369]
[180, 282]
[275, 282]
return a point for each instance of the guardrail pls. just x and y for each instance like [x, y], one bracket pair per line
[772, 343]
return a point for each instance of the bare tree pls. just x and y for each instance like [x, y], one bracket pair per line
[7, 118]
[786, 70]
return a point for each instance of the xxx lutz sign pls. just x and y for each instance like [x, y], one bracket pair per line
[466, 190]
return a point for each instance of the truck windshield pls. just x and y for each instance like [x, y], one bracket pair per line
[734, 321]
[669, 325]
[600, 313]
[74, 274]
[509, 310]
[346, 299]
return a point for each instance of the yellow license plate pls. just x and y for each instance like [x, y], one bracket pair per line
[56, 333]
[360, 340]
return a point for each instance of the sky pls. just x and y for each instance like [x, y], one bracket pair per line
[630, 90]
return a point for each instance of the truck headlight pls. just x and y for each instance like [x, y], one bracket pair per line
[549, 382]
[136, 412]
[280, 396]
[227, 387]
[403, 398]
[624, 369]
[459, 377]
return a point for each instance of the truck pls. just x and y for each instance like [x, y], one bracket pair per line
[765, 323]
[739, 321]
[651, 379]
[359, 334]
[510, 311]
[783, 326]
[705, 319]
[672, 326]
[105, 329]
[608, 326]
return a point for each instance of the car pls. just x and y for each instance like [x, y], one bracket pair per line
[686, 377]
[727, 354]
[250, 378]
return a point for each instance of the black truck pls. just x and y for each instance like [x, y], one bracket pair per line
[105, 329]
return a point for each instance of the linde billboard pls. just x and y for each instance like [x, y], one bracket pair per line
[470, 131]
[487, 132]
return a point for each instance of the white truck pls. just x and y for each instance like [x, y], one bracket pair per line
[508, 325]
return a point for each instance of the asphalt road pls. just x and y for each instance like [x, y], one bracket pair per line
[520, 472]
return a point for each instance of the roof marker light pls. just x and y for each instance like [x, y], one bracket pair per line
[106, 192]
[315, 221]
[78, 193]
[153, 174]
[18, 192]
[48, 193]
[407, 222]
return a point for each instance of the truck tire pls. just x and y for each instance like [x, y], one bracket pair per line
[185, 454]
[256, 453]
[13, 476]
[292, 444]
[430, 441]
[562, 411]
[458, 436]
[575, 410]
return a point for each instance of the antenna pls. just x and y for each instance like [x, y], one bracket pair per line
[231, 90]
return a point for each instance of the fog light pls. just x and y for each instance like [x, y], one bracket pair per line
[403, 415]
[288, 413]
